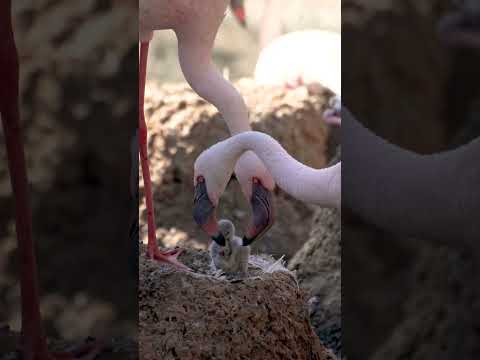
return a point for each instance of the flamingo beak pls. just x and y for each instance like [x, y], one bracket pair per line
[205, 213]
[263, 213]
[239, 12]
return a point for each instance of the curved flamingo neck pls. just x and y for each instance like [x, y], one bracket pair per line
[318, 186]
[206, 80]
[428, 196]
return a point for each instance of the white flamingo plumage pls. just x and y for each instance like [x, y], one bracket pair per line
[302, 57]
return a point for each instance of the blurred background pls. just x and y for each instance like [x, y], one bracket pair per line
[237, 49]
[410, 73]
[78, 107]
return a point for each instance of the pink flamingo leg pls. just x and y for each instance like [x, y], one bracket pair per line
[169, 257]
[33, 338]
[33, 345]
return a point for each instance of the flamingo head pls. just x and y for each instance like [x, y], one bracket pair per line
[238, 9]
[213, 170]
[333, 114]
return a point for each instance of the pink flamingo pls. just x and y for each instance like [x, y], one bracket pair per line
[33, 344]
[317, 186]
[302, 57]
[323, 186]
[195, 24]
[305, 54]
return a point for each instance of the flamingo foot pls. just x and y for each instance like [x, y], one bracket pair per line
[167, 257]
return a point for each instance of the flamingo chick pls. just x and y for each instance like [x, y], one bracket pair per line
[302, 57]
[317, 186]
[233, 257]
[195, 24]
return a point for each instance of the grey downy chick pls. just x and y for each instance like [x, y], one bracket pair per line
[233, 257]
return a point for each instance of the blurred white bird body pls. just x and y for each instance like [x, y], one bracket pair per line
[302, 56]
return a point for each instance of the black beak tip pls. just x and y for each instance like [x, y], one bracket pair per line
[246, 241]
[219, 239]
[199, 219]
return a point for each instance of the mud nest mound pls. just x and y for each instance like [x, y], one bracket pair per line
[206, 315]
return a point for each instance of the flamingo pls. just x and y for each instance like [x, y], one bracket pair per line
[302, 57]
[277, 17]
[392, 188]
[321, 187]
[195, 24]
[33, 345]
[316, 186]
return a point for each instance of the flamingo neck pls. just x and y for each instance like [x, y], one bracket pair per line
[427, 196]
[206, 80]
[317, 186]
